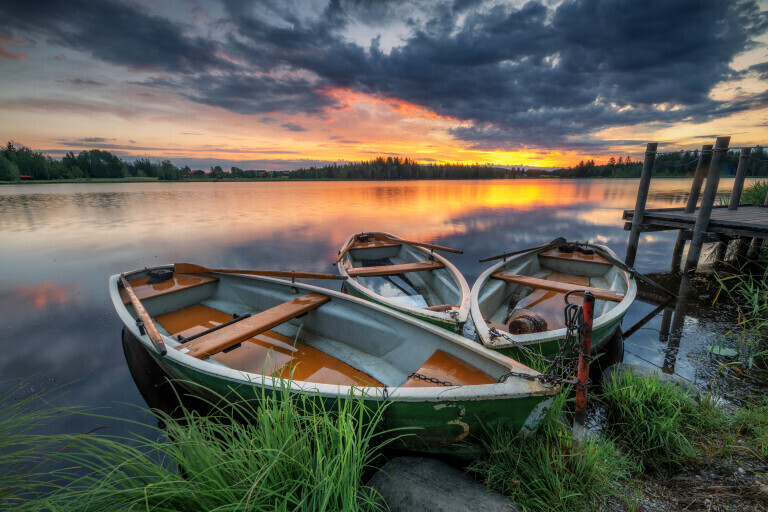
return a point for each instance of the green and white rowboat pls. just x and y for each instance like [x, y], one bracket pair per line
[518, 303]
[409, 277]
[334, 346]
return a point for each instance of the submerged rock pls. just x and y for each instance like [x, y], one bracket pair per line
[416, 483]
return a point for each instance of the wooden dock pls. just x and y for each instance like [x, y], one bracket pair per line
[702, 221]
[749, 221]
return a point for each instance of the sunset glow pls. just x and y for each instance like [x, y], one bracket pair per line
[307, 83]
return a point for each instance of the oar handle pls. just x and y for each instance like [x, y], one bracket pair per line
[146, 320]
[191, 268]
[428, 246]
[553, 243]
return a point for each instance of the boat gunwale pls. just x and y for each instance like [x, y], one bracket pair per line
[443, 316]
[511, 340]
[510, 389]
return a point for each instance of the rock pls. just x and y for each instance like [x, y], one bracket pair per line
[643, 371]
[415, 483]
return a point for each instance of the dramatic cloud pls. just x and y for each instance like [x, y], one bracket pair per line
[512, 75]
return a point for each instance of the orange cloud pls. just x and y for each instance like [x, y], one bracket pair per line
[43, 295]
[5, 54]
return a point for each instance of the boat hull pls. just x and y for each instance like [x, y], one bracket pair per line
[456, 427]
[548, 343]
[441, 419]
[453, 321]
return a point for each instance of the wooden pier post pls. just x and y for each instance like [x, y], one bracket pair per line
[707, 202]
[733, 204]
[642, 197]
[738, 183]
[585, 348]
[693, 198]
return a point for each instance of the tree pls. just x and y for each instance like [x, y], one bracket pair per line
[9, 171]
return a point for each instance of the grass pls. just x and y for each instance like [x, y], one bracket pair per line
[282, 454]
[755, 193]
[546, 472]
[658, 421]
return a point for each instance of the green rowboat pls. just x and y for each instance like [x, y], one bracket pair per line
[236, 333]
[409, 277]
[518, 304]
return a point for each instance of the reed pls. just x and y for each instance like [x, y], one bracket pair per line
[659, 422]
[274, 453]
[546, 472]
[749, 293]
[755, 193]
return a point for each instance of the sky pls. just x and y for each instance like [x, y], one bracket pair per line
[285, 84]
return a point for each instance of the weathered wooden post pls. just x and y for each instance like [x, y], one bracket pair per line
[693, 198]
[707, 202]
[733, 204]
[642, 198]
[585, 348]
[738, 183]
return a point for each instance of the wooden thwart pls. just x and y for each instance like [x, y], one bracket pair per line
[388, 270]
[543, 284]
[226, 337]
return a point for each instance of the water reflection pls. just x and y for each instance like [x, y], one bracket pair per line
[61, 241]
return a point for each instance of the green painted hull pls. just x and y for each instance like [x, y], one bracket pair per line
[451, 326]
[456, 427]
[551, 348]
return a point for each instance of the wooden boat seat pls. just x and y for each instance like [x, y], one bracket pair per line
[559, 287]
[574, 256]
[144, 290]
[388, 270]
[375, 243]
[268, 353]
[216, 341]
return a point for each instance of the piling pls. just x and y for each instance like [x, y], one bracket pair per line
[733, 204]
[585, 347]
[707, 202]
[693, 198]
[642, 198]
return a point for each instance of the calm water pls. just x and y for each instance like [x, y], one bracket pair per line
[61, 242]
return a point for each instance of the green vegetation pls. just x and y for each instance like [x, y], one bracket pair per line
[676, 164]
[403, 169]
[283, 454]
[659, 422]
[546, 472]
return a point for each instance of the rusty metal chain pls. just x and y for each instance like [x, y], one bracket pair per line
[565, 361]
[433, 380]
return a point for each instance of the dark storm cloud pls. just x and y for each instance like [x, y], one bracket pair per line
[527, 75]
[292, 127]
[112, 31]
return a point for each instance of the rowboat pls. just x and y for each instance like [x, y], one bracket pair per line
[406, 276]
[518, 304]
[220, 333]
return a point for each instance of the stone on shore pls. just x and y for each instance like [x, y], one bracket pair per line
[415, 483]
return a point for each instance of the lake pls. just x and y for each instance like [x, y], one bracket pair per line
[61, 242]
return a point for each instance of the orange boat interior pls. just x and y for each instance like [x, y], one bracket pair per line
[268, 352]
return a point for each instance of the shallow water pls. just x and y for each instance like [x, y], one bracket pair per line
[61, 242]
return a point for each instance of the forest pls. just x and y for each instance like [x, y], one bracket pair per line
[22, 163]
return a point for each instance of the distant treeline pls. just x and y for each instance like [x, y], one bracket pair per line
[681, 163]
[23, 163]
[395, 168]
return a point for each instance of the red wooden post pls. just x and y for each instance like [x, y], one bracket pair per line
[588, 310]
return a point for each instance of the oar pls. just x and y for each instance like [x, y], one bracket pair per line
[346, 249]
[554, 243]
[428, 246]
[190, 268]
[632, 271]
[146, 320]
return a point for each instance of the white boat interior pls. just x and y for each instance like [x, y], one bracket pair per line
[401, 273]
[272, 327]
[536, 284]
